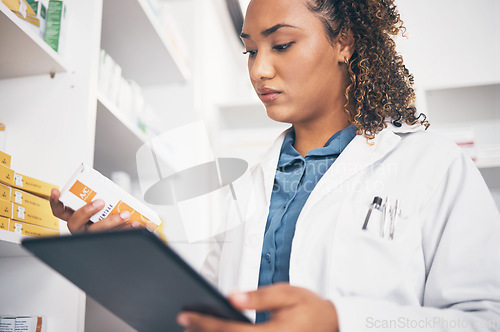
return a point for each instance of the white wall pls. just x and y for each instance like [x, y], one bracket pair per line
[451, 42]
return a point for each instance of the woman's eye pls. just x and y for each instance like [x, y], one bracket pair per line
[251, 53]
[282, 47]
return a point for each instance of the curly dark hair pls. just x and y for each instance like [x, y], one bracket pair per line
[380, 85]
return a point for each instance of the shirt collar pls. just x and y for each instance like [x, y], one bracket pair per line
[334, 146]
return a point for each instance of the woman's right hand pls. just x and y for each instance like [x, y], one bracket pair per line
[79, 221]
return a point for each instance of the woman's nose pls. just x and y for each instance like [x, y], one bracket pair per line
[261, 68]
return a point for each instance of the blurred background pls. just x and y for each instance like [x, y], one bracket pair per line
[107, 76]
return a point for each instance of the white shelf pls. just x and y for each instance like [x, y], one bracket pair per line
[488, 156]
[465, 111]
[463, 104]
[458, 85]
[117, 140]
[10, 244]
[487, 164]
[133, 37]
[17, 38]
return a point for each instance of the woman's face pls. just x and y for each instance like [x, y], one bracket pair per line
[297, 73]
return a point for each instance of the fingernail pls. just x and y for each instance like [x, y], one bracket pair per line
[98, 203]
[183, 320]
[125, 215]
[239, 297]
[136, 224]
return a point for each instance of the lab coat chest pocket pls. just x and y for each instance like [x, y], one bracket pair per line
[365, 264]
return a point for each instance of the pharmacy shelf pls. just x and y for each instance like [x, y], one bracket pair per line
[463, 104]
[132, 35]
[488, 164]
[461, 85]
[117, 140]
[469, 113]
[19, 38]
[10, 244]
[489, 159]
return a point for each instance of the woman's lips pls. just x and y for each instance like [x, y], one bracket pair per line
[267, 95]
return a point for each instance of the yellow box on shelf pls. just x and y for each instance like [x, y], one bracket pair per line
[5, 192]
[4, 223]
[5, 159]
[20, 227]
[34, 186]
[23, 10]
[23, 198]
[37, 216]
[6, 208]
[28, 200]
[6, 175]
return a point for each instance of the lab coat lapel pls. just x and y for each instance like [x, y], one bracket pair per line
[357, 156]
[269, 164]
[255, 226]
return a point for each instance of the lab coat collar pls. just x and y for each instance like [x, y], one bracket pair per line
[358, 155]
[405, 128]
[333, 147]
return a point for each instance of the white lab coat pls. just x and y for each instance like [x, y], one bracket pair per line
[441, 271]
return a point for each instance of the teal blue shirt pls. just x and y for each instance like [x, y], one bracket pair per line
[296, 177]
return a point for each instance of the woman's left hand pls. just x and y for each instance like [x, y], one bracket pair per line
[292, 309]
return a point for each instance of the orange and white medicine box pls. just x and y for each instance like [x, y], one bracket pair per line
[88, 184]
[34, 186]
[4, 159]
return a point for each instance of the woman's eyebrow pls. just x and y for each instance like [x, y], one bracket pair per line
[269, 31]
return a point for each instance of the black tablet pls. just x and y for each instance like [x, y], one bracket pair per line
[135, 275]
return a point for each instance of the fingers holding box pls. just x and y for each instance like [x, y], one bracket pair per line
[58, 209]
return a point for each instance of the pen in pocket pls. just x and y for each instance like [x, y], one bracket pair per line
[394, 219]
[382, 217]
[377, 202]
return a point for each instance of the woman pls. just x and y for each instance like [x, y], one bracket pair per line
[328, 67]
[318, 259]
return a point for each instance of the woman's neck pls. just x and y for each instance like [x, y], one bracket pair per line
[309, 136]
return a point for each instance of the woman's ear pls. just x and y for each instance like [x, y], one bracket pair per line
[346, 45]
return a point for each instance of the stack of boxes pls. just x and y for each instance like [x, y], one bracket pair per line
[24, 203]
[22, 9]
[123, 93]
[47, 17]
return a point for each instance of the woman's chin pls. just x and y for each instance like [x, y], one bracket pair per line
[278, 115]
